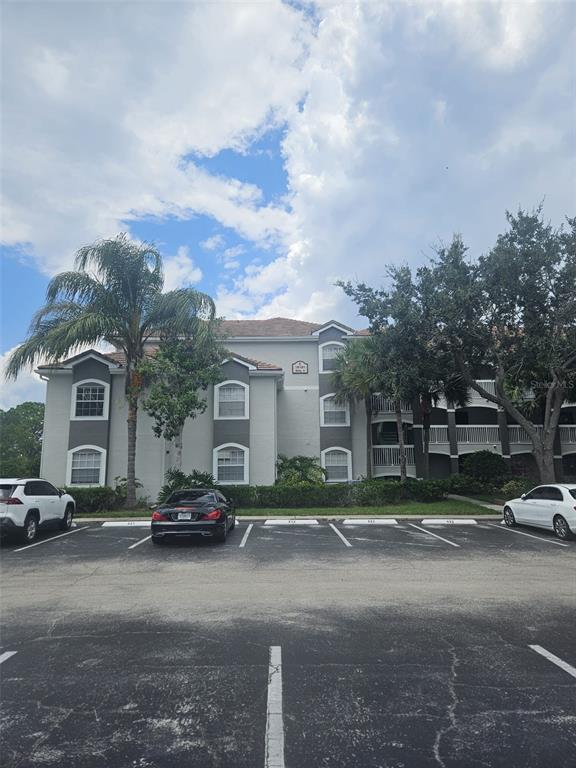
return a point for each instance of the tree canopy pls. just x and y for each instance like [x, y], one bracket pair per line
[21, 430]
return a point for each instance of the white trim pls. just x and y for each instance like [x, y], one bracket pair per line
[345, 407]
[348, 458]
[302, 386]
[321, 357]
[215, 452]
[246, 364]
[333, 325]
[106, 408]
[217, 388]
[93, 354]
[72, 451]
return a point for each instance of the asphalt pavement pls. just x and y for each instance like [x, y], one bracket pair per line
[401, 645]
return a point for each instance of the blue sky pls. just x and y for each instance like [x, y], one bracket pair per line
[271, 149]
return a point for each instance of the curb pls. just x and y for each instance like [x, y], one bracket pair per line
[256, 518]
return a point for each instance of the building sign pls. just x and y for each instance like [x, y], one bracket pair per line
[299, 367]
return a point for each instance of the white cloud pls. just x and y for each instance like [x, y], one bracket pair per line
[213, 243]
[27, 387]
[180, 270]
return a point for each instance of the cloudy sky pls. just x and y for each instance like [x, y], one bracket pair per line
[271, 148]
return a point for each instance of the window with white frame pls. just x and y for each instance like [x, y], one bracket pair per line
[231, 464]
[334, 414]
[231, 400]
[86, 466]
[90, 400]
[328, 355]
[336, 462]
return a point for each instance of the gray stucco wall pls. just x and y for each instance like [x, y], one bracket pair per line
[91, 369]
[358, 422]
[235, 371]
[298, 422]
[88, 432]
[56, 427]
[262, 431]
[196, 441]
[232, 431]
[332, 437]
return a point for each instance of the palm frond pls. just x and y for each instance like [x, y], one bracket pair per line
[177, 313]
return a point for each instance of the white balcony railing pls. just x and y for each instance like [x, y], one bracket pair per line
[382, 404]
[567, 433]
[438, 434]
[518, 434]
[389, 455]
[482, 434]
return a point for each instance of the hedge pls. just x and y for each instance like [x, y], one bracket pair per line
[89, 501]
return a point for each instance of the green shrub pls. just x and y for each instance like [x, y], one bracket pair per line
[376, 493]
[515, 488]
[303, 495]
[464, 484]
[89, 501]
[176, 479]
[241, 495]
[485, 466]
[425, 490]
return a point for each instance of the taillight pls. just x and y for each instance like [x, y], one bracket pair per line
[158, 516]
[214, 515]
[12, 500]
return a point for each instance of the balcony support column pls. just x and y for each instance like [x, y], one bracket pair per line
[452, 438]
[418, 441]
[504, 438]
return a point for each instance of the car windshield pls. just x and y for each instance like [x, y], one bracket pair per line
[6, 491]
[572, 492]
[189, 497]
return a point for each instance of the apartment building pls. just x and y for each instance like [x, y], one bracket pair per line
[276, 397]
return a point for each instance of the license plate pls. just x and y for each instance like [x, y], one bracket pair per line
[184, 515]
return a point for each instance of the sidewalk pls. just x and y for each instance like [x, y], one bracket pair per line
[497, 507]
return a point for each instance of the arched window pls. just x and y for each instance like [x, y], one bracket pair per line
[86, 465]
[90, 400]
[231, 400]
[338, 464]
[230, 464]
[328, 354]
[332, 413]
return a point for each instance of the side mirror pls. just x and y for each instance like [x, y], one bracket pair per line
[152, 506]
[60, 492]
[523, 496]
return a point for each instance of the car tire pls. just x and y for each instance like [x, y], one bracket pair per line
[221, 535]
[66, 522]
[30, 530]
[157, 539]
[509, 519]
[561, 528]
[233, 525]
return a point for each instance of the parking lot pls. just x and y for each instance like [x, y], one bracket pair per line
[292, 645]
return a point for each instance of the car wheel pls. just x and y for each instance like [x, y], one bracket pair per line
[221, 535]
[509, 518]
[233, 523]
[157, 539]
[66, 522]
[30, 528]
[561, 528]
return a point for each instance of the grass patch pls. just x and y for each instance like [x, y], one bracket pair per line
[448, 508]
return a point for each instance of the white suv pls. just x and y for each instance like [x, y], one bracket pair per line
[27, 503]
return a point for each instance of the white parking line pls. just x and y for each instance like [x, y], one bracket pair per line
[7, 655]
[337, 532]
[452, 544]
[274, 757]
[47, 541]
[530, 535]
[291, 521]
[140, 542]
[126, 524]
[370, 521]
[246, 534]
[554, 659]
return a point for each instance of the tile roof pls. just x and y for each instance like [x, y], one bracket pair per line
[275, 326]
[260, 365]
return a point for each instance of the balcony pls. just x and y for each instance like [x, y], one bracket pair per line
[389, 455]
[481, 434]
[438, 435]
[567, 433]
[382, 404]
[518, 434]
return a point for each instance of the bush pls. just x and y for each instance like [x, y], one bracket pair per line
[176, 479]
[376, 493]
[241, 495]
[464, 484]
[425, 490]
[303, 495]
[515, 488]
[294, 470]
[485, 466]
[89, 501]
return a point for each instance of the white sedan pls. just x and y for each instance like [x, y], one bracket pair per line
[546, 506]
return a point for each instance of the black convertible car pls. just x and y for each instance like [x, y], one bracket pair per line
[193, 512]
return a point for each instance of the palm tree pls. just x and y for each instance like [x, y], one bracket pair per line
[356, 377]
[114, 295]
